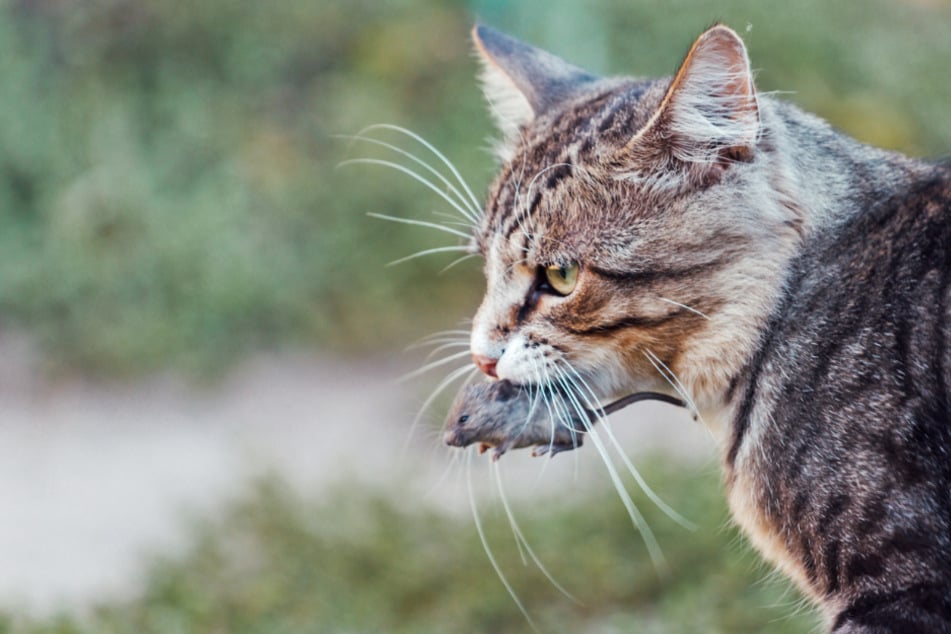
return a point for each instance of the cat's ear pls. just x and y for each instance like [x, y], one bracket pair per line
[520, 81]
[709, 116]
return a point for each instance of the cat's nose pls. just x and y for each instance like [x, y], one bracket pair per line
[486, 364]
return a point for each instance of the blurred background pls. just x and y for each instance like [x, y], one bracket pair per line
[201, 427]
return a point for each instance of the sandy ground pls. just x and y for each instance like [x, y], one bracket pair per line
[94, 477]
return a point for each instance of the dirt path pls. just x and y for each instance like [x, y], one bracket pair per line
[93, 476]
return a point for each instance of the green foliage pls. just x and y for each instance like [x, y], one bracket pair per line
[167, 185]
[363, 562]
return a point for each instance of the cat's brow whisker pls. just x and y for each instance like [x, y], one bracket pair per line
[429, 146]
[684, 306]
[420, 254]
[454, 221]
[485, 544]
[419, 223]
[467, 256]
[520, 537]
[402, 168]
[421, 162]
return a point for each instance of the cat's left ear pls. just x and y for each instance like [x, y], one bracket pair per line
[709, 116]
[520, 81]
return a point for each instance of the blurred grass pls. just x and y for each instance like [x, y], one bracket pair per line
[167, 191]
[366, 561]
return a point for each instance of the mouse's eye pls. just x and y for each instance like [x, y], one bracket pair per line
[462, 419]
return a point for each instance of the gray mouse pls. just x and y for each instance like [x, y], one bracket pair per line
[500, 415]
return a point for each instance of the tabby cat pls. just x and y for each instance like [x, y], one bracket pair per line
[694, 236]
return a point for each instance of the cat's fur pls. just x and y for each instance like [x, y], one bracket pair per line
[788, 279]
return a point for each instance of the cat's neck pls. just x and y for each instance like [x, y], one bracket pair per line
[830, 176]
[820, 178]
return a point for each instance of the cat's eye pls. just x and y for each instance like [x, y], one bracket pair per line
[562, 277]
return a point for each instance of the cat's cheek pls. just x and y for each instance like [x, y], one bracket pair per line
[520, 363]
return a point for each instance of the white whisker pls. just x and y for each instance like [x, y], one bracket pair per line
[429, 168]
[684, 306]
[672, 379]
[520, 537]
[431, 148]
[458, 261]
[446, 382]
[435, 364]
[420, 223]
[488, 550]
[402, 168]
[420, 254]
[606, 425]
[638, 520]
[446, 346]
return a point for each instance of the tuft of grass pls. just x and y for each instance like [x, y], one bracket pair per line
[366, 561]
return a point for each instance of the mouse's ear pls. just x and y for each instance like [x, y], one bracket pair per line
[506, 390]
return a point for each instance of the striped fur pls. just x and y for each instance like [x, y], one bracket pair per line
[790, 281]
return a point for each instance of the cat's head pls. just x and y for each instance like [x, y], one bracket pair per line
[636, 228]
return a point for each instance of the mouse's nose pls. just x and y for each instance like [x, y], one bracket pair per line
[486, 364]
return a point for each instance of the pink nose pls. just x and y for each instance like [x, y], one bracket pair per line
[486, 364]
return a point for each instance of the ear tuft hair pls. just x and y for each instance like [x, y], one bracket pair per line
[521, 82]
[709, 116]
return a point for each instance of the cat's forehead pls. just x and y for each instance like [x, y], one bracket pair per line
[562, 171]
[592, 125]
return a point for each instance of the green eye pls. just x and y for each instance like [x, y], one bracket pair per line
[562, 277]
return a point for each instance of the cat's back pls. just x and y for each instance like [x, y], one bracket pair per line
[845, 422]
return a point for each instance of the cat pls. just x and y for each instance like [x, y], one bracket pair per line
[694, 236]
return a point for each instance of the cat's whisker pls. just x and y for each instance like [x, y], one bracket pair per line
[439, 337]
[429, 146]
[447, 346]
[520, 537]
[606, 425]
[412, 174]
[467, 204]
[435, 364]
[485, 544]
[419, 223]
[684, 306]
[453, 462]
[420, 254]
[446, 382]
[439, 341]
[453, 221]
[541, 395]
[672, 379]
[637, 519]
[468, 256]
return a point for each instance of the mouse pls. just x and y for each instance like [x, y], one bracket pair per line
[501, 415]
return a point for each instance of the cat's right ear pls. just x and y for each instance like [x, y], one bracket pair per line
[709, 117]
[521, 82]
